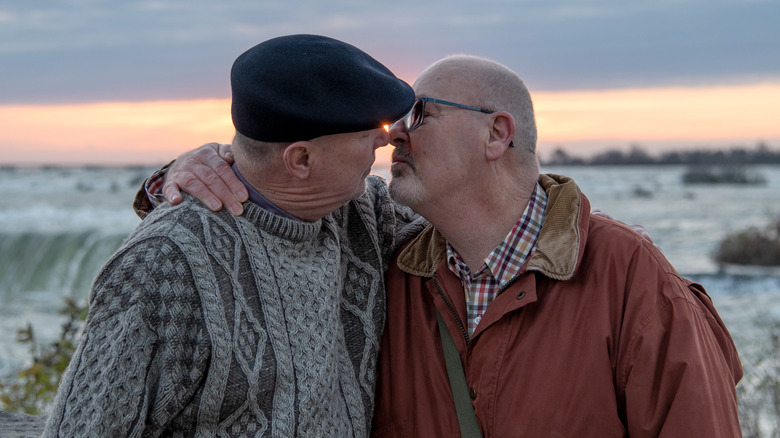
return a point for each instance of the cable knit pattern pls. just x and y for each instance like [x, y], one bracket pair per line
[204, 324]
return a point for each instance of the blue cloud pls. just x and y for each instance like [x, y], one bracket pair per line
[95, 50]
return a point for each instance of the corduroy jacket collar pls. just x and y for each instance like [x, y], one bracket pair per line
[558, 249]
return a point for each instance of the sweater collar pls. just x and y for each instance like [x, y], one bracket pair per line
[281, 226]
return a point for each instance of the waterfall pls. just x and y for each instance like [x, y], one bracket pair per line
[63, 261]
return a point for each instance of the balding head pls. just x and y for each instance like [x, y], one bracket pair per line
[487, 84]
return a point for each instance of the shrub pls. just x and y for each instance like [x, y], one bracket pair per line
[35, 386]
[751, 247]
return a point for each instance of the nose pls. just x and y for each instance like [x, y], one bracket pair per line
[382, 139]
[398, 133]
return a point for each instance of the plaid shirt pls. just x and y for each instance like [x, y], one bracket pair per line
[503, 264]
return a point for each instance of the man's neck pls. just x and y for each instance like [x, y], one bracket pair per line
[260, 199]
[292, 197]
[477, 225]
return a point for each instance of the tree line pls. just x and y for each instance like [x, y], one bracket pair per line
[636, 155]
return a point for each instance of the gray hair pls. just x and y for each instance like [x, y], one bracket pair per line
[254, 150]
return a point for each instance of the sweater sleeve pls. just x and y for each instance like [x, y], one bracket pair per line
[681, 367]
[142, 351]
[396, 223]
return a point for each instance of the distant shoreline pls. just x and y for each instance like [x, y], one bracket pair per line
[761, 154]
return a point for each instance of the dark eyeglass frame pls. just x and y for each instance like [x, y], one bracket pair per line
[411, 125]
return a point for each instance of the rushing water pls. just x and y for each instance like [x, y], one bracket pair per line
[57, 228]
[59, 225]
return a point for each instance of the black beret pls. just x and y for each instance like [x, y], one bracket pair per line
[299, 87]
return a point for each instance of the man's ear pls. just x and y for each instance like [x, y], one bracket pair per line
[502, 130]
[298, 159]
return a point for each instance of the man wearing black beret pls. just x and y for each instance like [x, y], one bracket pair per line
[265, 324]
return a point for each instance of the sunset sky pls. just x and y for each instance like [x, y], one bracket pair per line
[137, 82]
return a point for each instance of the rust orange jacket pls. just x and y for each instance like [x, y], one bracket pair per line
[598, 336]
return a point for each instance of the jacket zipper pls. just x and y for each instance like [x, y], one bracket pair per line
[452, 310]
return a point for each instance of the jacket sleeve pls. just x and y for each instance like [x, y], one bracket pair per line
[133, 369]
[680, 368]
[149, 195]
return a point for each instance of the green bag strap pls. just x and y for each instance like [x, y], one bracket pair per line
[467, 420]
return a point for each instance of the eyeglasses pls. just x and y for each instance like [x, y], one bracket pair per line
[414, 118]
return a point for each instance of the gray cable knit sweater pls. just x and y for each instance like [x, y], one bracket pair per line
[205, 324]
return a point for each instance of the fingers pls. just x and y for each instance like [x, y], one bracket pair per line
[225, 151]
[601, 213]
[236, 191]
[172, 192]
[206, 175]
[642, 231]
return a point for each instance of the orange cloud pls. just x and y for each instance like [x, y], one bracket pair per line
[120, 132]
[155, 132]
[743, 113]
